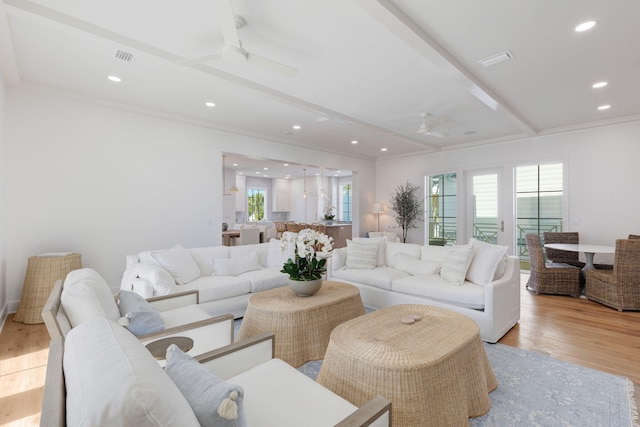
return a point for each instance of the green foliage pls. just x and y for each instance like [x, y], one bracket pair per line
[407, 207]
[304, 269]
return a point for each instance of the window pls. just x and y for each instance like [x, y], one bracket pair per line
[442, 209]
[256, 204]
[345, 202]
[538, 203]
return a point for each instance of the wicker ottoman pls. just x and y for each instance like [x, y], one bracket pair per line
[435, 371]
[301, 325]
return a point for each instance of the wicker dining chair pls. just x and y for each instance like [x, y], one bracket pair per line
[281, 227]
[559, 256]
[618, 288]
[634, 236]
[549, 280]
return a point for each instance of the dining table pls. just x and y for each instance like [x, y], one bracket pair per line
[588, 250]
[234, 234]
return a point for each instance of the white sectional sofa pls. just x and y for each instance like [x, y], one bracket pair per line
[225, 276]
[487, 288]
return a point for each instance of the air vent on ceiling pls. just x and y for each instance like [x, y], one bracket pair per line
[497, 58]
[125, 56]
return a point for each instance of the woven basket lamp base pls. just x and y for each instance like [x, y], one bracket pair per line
[42, 273]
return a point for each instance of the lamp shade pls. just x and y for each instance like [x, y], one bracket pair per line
[233, 189]
[377, 208]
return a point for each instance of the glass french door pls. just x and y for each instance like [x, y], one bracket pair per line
[485, 219]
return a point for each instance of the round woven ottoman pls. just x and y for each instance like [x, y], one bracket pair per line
[435, 371]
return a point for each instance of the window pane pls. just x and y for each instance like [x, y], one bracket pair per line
[442, 209]
[527, 205]
[551, 177]
[255, 204]
[551, 205]
[450, 184]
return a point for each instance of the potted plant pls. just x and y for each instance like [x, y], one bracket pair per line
[407, 207]
[329, 214]
[305, 269]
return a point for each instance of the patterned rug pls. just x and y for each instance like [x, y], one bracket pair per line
[537, 390]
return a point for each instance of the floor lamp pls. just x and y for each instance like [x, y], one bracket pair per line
[377, 209]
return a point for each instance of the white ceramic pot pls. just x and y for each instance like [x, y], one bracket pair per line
[305, 288]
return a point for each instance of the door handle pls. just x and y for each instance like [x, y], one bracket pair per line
[502, 226]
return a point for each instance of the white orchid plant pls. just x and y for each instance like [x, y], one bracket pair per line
[311, 248]
[329, 212]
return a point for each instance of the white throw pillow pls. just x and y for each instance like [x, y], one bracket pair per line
[484, 264]
[236, 266]
[380, 243]
[456, 263]
[160, 279]
[415, 266]
[113, 380]
[395, 248]
[361, 255]
[179, 263]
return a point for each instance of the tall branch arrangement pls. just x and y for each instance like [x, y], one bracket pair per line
[407, 207]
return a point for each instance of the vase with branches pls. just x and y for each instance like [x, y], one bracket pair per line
[407, 207]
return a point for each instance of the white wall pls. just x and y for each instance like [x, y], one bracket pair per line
[106, 182]
[3, 205]
[602, 176]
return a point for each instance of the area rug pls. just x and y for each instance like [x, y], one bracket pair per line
[538, 390]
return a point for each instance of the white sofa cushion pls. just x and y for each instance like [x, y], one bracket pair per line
[380, 277]
[416, 267]
[306, 403]
[112, 380]
[266, 278]
[160, 280]
[219, 287]
[434, 253]
[395, 248]
[183, 315]
[237, 265]
[361, 255]
[456, 263]
[276, 257]
[215, 402]
[179, 263]
[204, 257]
[436, 288]
[485, 261]
[379, 243]
[86, 295]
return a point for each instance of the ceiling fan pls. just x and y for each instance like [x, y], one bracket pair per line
[233, 50]
[429, 123]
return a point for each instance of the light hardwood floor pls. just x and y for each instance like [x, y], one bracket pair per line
[570, 329]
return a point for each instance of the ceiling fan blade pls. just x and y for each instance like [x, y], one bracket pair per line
[199, 59]
[271, 65]
[227, 21]
[436, 121]
[436, 134]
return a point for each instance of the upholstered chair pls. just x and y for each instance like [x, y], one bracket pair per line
[545, 279]
[618, 288]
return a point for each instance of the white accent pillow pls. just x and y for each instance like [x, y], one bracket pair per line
[179, 263]
[361, 255]
[415, 266]
[486, 258]
[236, 266]
[380, 243]
[113, 380]
[160, 279]
[276, 257]
[395, 248]
[456, 263]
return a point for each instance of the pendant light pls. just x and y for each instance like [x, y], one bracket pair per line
[322, 183]
[233, 188]
[304, 193]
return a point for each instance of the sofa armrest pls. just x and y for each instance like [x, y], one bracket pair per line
[240, 356]
[337, 260]
[376, 412]
[502, 297]
[54, 399]
[207, 335]
[173, 301]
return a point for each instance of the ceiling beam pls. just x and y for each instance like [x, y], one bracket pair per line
[406, 29]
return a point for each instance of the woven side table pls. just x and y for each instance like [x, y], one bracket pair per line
[42, 273]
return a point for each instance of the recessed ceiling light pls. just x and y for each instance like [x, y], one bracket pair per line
[235, 164]
[297, 127]
[115, 79]
[286, 164]
[240, 173]
[599, 85]
[257, 172]
[265, 169]
[383, 149]
[354, 142]
[585, 26]
[604, 107]
[210, 104]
